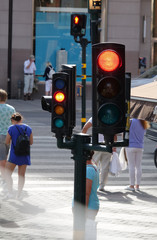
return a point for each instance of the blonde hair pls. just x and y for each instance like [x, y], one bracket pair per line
[3, 95]
[144, 124]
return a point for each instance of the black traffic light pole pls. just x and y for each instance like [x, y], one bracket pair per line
[95, 31]
[80, 146]
[84, 42]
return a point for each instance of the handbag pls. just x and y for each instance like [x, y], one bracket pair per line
[115, 167]
[123, 158]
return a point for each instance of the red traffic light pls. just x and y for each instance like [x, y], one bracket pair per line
[108, 89]
[109, 60]
[59, 96]
[78, 25]
[76, 20]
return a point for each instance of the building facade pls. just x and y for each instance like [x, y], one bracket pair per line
[132, 23]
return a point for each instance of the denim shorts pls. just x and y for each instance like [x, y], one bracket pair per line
[4, 148]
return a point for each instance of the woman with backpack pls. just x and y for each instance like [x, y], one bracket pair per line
[48, 74]
[20, 136]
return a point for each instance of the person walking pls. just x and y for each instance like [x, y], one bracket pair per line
[21, 161]
[134, 152]
[102, 157]
[49, 71]
[6, 112]
[92, 200]
[29, 74]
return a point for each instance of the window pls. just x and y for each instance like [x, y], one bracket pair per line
[62, 3]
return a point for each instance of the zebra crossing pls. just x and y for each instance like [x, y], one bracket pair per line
[49, 190]
[53, 167]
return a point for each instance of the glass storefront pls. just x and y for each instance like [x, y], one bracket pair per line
[52, 35]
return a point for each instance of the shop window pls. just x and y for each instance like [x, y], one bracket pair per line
[62, 3]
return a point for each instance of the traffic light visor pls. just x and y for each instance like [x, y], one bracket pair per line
[109, 114]
[59, 96]
[108, 60]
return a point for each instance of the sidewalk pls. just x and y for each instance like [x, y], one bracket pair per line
[45, 213]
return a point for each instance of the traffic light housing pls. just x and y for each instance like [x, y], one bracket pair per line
[46, 103]
[71, 70]
[60, 105]
[108, 87]
[78, 25]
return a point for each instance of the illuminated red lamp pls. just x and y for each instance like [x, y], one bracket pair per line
[59, 96]
[109, 60]
[76, 20]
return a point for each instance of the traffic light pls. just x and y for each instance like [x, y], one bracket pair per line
[78, 25]
[46, 103]
[108, 86]
[71, 70]
[60, 105]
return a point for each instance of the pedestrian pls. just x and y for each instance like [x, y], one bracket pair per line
[6, 112]
[48, 74]
[29, 74]
[134, 152]
[91, 199]
[102, 157]
[21, 161]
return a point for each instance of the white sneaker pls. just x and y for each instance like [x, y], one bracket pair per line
[9, 196]
[129, 188]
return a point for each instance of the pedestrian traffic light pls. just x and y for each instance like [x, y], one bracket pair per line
[78, 25]
[61, 105]
[108, 84]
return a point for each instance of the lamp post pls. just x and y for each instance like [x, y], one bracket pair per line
[10, 16]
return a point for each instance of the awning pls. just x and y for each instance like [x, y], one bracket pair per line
[143, 103]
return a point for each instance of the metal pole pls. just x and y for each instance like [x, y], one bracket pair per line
[84, 42]
[9, 47]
